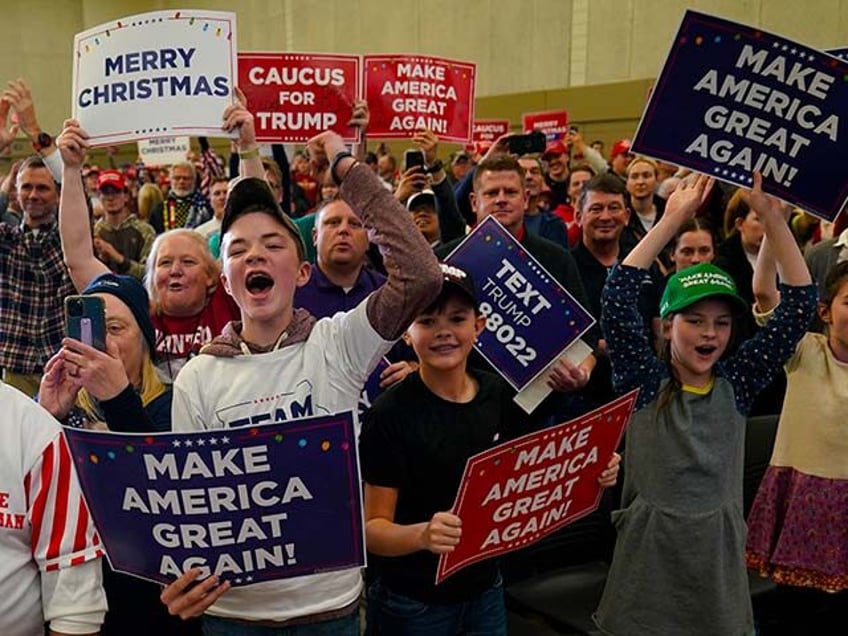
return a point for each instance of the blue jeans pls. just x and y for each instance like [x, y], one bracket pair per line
[345, 626]
[393, 614]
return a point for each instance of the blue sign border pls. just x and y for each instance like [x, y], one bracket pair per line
[326, 533]
[551, 331]
[674, 112]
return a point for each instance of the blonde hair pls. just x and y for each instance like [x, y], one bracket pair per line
[150, 266]
[149, 195]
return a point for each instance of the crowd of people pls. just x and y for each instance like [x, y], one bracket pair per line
[224, 281]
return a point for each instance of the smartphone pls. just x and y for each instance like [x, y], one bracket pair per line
[85, 320]
[412, 158]
[527, 144]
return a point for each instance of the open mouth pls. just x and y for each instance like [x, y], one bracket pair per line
[258, 282]
[706, 350]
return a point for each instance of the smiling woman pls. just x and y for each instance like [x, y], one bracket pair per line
[189, 307]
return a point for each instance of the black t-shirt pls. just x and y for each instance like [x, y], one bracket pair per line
[416, 442]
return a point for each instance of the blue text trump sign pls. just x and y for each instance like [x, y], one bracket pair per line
[530, 318]
[159, 74]
[248, 504]
[732, 99]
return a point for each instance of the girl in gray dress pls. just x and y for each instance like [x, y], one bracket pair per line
[679, 565]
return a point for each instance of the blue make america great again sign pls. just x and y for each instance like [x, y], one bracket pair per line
[249, 504]
[732, 99]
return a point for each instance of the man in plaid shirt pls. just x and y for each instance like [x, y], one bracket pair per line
[33, 281]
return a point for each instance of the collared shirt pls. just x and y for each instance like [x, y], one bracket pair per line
[33, 286]
[323, 298]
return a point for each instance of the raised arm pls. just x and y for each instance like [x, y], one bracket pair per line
[74, 224]
[682, 205]
[360, 117]
[238, 118]
[790, 262]
[19, 95]
[414, 275]
[451, 223]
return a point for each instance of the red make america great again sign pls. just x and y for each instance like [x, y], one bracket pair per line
[521, 491]
[408, 93]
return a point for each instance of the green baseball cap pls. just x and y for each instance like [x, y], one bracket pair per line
[696, 283]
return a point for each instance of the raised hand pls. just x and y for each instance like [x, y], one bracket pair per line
[72, 143]
[685, 201]
[766, 204]
[20, 97]
[238, 118]
[7, 134]
[412, 181]
[360, 116]
[429, 144]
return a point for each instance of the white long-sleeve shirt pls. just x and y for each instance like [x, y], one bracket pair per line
[49, 549]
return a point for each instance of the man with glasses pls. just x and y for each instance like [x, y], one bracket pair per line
[186, 206]
[121, 240]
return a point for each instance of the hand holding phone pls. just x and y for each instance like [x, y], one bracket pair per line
[85, 320]
[412, 158]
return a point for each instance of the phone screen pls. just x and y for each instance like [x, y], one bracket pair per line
[85, 320]
[413, 158]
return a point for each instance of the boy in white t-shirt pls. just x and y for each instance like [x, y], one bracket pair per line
[282, 358]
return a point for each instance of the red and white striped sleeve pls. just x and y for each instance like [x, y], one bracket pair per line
[63, 533]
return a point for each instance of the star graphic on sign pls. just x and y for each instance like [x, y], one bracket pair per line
[213, 441]
[225, 440]
[176, 443]
[248, 579]
[201, 442]
[189, 443]
[238, 580]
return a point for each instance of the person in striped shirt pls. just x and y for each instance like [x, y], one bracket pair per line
[50, 552]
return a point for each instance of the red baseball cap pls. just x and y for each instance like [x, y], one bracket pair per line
[556, 147]
[111, 178]
[620, 147]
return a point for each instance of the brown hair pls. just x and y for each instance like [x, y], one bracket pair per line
[498, 163]
[737, 208]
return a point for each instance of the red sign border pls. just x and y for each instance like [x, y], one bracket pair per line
[358, 87]
[444, 571]
[542, 112]
[472, 66]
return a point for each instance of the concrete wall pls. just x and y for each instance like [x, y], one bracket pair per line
[549, 53]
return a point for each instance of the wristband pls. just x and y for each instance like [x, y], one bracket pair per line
[253, 153]
[435, 166]
[339, 157]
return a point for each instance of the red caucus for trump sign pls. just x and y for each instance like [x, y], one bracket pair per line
[408, 93]
[519, 492]
[295, 96]
[488, 130]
